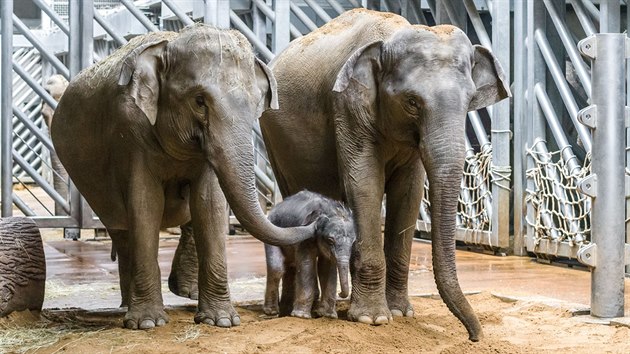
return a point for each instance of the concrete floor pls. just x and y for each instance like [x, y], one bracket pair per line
[81, 274]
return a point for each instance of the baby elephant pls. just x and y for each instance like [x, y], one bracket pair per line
[300, 265]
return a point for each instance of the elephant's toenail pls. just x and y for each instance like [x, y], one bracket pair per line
[224, 322]
[380, 320]
[409, 313]
[396, 312]
[147, 324]
[161, 322]
[365, 319]
[209, 321]
[131, 324]
[236, 321]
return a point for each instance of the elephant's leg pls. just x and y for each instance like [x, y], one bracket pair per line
[184, 271]
[288, 290]
[327, 273]
[404, 193]
[305, 281]
[364, 184]
[145, 208]
[120, 245]
[208, 209]
[275, 270]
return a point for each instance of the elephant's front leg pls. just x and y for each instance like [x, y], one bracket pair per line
[208, 209]
[305, 279]
[327, 274]
[404, 194]
[364, 182]
[145, 208]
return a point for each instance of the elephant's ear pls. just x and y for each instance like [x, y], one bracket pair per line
[360, 69]
[140, 73]
[268, 87]
[489, 79]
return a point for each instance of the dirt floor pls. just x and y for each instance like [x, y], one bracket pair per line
[511, 326]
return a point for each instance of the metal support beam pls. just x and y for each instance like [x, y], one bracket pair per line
[281, 27]
[608, 212]
[217, 13]
[609, 16]
[6, 102]
[500, 133]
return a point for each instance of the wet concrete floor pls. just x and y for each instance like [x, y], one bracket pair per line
[81, 273]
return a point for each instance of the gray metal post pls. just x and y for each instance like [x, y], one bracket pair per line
[520, 29]
[281, 27]
[536, 73]
[609, 16]
[217, 13]
[627, 140]
[81, 47]
[500, 131]
[6, 102]
[606, 184]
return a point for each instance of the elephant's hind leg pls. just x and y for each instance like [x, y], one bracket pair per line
[275, 271]
[120, 246]
[183, 278]
[209, 217]
[404, 193]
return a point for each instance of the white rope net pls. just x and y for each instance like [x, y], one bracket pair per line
[561, 213]
[475, 199]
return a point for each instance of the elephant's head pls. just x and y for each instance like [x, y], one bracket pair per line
[416, 89]
[55, 85]
[201, 91]
[335, 237]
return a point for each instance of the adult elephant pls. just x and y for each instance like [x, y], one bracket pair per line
[367, 103]
[155, 135]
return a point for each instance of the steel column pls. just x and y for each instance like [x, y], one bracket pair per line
[6, 102]
[534, 121]
[607, 182]
[500, 132]
[609, 16]
[520, 53]
[281, 27]
[217, 13]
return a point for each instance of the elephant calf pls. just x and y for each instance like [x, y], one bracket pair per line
[329, 250]
[22, 266]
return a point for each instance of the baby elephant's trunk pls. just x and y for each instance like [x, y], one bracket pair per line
[342, 269]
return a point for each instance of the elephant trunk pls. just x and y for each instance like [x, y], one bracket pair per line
[342, 270]
[444, 169]
[232, 157]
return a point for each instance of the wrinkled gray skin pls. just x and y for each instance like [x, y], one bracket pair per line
[323, 256]
[367, 103]
[55, 86]
[22, 266]
[154, 136]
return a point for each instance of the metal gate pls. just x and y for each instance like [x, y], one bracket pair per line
[270, 26]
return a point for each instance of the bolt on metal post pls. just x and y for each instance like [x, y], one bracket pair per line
[606, 118]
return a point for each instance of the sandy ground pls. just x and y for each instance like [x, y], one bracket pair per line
[511, 326]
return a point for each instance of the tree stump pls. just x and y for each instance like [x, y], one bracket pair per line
[22, 266]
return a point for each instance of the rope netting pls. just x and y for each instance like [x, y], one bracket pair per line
[474, 210]
[561, 212]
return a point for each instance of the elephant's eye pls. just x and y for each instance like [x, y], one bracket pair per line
[201, 102]
[413, 102]
[330, 240]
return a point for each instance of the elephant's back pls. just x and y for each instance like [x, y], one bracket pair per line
[315, 59]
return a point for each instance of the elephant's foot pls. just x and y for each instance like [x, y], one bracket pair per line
[301, 313]
[271, 309]
[325, 309]
[145, 317]
[370, 310]
[399, 304]
[183, 284]
[221, 314]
